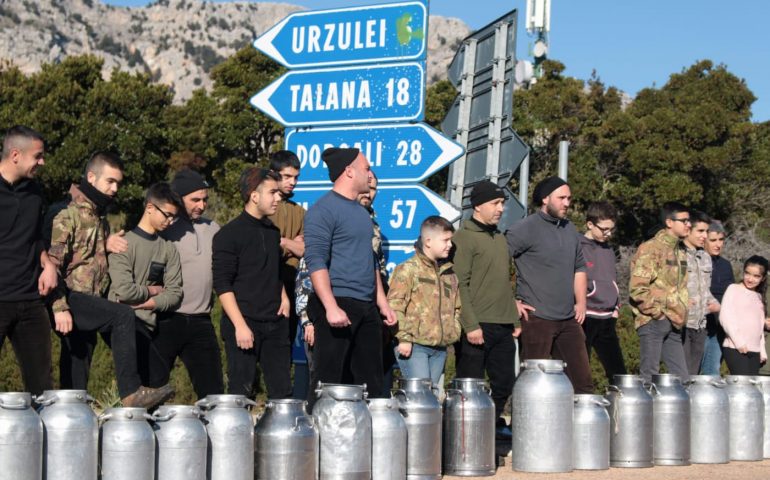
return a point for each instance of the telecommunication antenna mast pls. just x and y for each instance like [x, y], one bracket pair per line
[538, 24]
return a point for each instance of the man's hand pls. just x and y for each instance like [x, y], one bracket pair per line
[48, 279]
[405, 349]
[155, 290]
[283, 310]
[713, 307]
[580, 313]
[744, 349]
[117, 243]
[475, 337]
[244, 338]
[523, 309]
[516, 332]
[388, 315]
[767, 324]
[309, 334]
[148, 305]
[63, 322]
[337, 318]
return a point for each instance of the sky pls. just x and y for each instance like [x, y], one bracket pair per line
[631, 44]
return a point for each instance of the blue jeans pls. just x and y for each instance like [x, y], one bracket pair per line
[712, 356]
[424, 362]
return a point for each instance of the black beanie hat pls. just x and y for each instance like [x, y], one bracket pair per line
[485, 191]
[336, 159]
[187, 181]
[545, 188]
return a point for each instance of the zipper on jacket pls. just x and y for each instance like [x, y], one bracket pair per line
[440, 286]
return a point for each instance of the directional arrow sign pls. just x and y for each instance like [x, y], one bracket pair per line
[345, 36]
[400, 209]
[337, 96]
[398, 153]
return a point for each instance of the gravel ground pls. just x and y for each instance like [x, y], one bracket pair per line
[730, 471]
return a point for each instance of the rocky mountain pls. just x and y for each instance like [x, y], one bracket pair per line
[176, 41]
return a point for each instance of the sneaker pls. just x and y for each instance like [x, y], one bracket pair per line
[504, 433]
[146, 397]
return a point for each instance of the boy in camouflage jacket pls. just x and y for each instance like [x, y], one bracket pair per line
[658, 294]
[424, 294]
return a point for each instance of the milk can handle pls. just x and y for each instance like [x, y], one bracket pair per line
[148, 416]
[653, 387]
[13, 406]
[203, 403]
[614, 388]
[604, 403]
[719, 384]
[453, 391]
[754, 382]
[163, 418]
[306, 419]
[399, 391]
[104, 417]
[44, 401]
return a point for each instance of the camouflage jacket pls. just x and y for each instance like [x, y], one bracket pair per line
[426, 299]
[79, 245]
[377, 247]
[699, 267]
[658, 285]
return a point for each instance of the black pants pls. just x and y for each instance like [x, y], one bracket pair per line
[741, 363]
[694, 343]
[601, 335]
[115, 321]
[496, 356]
[357, 347]
[272, 350]
[193, 339]
[27, 325]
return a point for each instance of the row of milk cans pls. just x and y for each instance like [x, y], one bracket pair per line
[346, 437]
[707, 419]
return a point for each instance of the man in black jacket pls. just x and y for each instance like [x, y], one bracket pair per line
[246, 262]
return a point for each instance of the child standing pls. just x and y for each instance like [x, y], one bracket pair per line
[425, 297]
[743, 319]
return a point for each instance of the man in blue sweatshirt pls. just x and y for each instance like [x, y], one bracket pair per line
[551, 283]
[348, 290]
[603, 297]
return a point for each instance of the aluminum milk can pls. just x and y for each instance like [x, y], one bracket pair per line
[286, 442]
[709, 419]
[591, 433]
[71, 441]
[764, 386]
[388, 440]
[230, 435]
[127, 445]
[541, 419]
[182, 443]
[21, 438]
[671, 420]
[469, 429]
[345, 430]
[747, 418]
[630, 422]
[422, 414]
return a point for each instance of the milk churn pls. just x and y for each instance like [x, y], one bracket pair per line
[422, 414]
[671, 420]
[21, 438]
[388, 440]
[182, 443]
[71, 441]
[630, 422]
[747, 418]
[127, 445]
[591, 433]
[764, 386]
[709, 419]
[286, 442]
[469, 429]
[345, 430]
[542, 409]
[231, 437]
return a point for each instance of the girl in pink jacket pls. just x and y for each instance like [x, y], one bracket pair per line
[743, 319]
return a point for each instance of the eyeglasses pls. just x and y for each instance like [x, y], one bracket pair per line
[170, 217]
[683, 220]
[605, 230]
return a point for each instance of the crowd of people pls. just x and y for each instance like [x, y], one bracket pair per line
[317, 281]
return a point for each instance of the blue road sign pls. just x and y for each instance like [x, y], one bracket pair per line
[337, 96]
[346, 36]
[400, 209]
[395, 254]
[398, 153]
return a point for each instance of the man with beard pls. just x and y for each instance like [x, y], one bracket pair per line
[28, 273]
[80, 242]
[552, 283]
[347, 287]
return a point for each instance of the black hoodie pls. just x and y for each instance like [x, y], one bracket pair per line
[602, 301]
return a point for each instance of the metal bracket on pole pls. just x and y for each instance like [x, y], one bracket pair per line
[524, 181]
[496, 101]
[463, 121]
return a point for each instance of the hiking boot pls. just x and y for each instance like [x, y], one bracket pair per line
[146, 397]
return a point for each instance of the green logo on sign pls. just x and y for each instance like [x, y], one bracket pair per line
[404, 31]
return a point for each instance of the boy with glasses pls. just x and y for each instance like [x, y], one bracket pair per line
[602, 298]
[658, 294]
